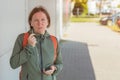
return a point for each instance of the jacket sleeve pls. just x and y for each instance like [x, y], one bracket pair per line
[58, 63]
[20, 55]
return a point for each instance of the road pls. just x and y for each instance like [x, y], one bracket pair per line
[103, 46]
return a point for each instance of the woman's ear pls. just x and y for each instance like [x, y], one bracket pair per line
[47, 24]
[31, 25]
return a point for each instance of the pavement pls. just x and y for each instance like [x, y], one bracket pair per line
[90, 52]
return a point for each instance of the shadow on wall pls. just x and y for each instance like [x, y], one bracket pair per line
[77, 64]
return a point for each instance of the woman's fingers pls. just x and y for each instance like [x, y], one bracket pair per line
[32, 40]
[31, 36]
[48, 72]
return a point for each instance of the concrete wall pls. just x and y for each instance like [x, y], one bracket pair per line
[12, 22]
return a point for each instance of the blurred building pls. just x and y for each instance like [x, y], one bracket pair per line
[103, 6]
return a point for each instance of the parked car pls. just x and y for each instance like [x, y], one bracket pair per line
[118, 22]
[110, 20]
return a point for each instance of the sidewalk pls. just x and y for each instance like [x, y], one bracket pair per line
[103, 46]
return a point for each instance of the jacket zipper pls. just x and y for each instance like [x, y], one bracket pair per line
[27, 76]
[41, 60]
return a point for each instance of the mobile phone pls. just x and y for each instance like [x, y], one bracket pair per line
[48, 68]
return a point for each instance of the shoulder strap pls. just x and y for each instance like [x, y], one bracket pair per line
[25, 39]
[24, 43]
[54, 40]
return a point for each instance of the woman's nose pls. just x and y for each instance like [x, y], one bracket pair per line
[39, 22]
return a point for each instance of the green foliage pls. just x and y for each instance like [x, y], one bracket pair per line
[84, 18]
[118, 6]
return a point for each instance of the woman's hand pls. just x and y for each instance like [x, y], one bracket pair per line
[32, 40]
[50, 71]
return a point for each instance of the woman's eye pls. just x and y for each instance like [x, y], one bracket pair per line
[35, 20]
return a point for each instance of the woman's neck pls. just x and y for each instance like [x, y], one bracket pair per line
[39, 32]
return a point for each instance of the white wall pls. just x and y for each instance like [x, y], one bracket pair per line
[12, 22]
[59, 19]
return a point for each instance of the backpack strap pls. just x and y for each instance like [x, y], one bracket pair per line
[55, 44]
[25, 39]
[24, 43]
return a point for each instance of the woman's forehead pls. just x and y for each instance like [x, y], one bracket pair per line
[39, 14]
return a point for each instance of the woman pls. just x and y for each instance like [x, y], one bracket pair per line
[37, 57]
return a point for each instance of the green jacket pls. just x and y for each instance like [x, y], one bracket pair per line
[30, 58]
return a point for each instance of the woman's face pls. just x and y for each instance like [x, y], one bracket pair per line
[39, 22]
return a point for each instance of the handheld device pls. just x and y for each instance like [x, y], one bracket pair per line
[48, 68]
